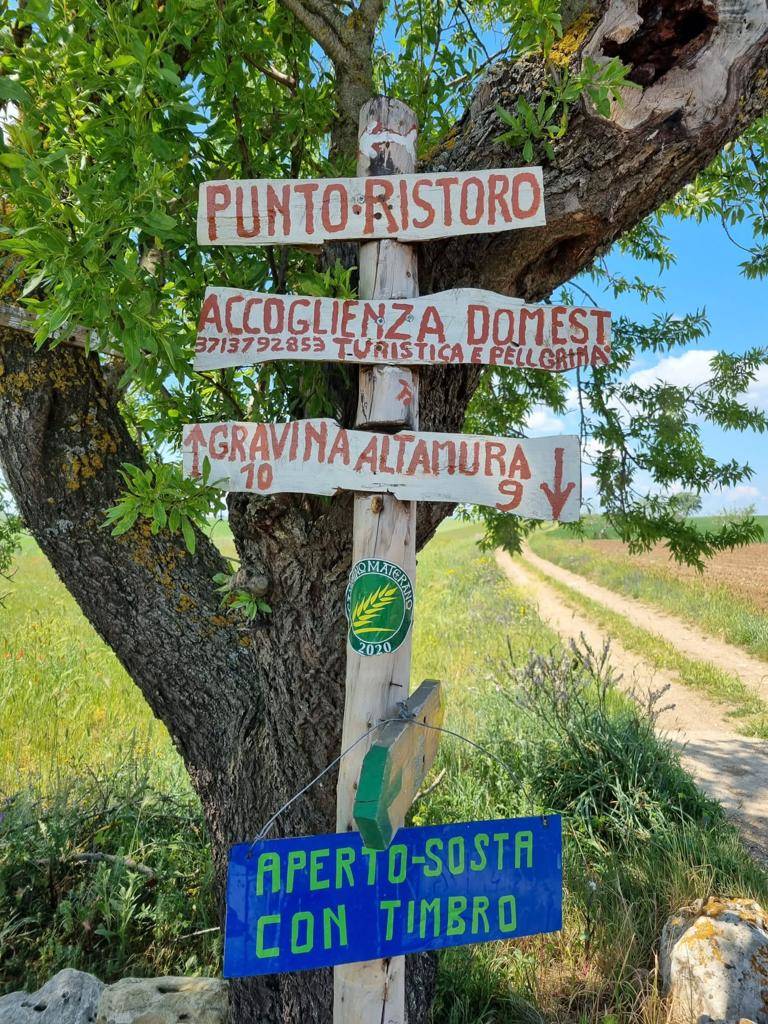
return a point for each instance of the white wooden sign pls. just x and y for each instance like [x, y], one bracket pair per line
[539, 478]
[465, 325]
[409, 207]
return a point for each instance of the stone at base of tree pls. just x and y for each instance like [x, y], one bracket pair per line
[714, 962]
[164, 1001]
[70, 997]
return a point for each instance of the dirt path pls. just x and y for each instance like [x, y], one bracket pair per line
[688, 640]
[730, 767]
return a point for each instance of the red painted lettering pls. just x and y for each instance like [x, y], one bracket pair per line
[221, 430]
[296, 324]
[308, 189]
[377, 192]
[524, 182]
[339, 448]
[498, 184]
[343, 208]
[518, 465]
[445, 185]
[368, 456]
[431, 324]
[240, 228]
[251, 327]
[217, 199]
[478, 324]
[210, 314]
[239, 436]
[231, 326]
[579, 330]
[478, 202]
[281, 205]
[428, 208]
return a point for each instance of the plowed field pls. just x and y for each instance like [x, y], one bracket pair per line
[744, 571]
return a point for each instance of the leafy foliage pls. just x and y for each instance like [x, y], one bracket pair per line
[72, 896]
[534, 128]
[118, 111]
[249, 605]
[734, 190]
[162, 495]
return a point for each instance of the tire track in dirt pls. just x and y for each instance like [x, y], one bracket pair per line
[731, 768]
[687, 639]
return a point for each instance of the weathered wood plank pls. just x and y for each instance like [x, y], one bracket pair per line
[462, 326]
[407, 207]
[396, 765]
[539, 477]
[373, 992]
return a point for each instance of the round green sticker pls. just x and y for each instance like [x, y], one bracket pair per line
[379, 604]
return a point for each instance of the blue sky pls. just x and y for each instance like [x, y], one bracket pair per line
[707, 275]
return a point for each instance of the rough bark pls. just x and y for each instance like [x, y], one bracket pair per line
[608, 173]
[257, 711]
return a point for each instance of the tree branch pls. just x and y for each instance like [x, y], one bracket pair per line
[286, 81]
[607, 173]
[323, 31]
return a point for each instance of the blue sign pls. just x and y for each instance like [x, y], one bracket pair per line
[295, 904]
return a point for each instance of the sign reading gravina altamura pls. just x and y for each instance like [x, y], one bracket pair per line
[536, 477]
[461, 326]
[295, 904]
[379, 604]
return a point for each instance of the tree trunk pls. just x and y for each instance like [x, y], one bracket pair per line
[256, 710]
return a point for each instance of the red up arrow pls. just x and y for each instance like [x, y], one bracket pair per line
[194, 439]
[558, 497]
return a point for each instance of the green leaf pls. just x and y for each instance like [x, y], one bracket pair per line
[13, 160]
[12, 90]
[189, 535]
[158, 223]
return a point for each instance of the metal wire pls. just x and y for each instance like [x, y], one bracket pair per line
[404, 716]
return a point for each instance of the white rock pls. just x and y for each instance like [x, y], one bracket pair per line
[714, 962]
[71, 997]
[164, 1001]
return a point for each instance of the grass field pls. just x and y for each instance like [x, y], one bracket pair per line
[101, 775]
[596, 527]
[714, 607]
[66, 703]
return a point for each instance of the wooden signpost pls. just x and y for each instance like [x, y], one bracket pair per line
[460, 327]
[279, 916]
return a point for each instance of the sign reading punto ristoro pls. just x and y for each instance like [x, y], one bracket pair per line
[295, 904]
[409, 207]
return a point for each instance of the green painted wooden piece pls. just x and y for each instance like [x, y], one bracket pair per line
[395, 767]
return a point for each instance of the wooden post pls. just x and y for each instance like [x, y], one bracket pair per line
[374, 992]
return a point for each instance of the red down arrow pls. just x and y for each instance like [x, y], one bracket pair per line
[560, 495]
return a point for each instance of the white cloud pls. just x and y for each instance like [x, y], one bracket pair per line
[758, 390]
[686, 370]
[542, 420]
[693, 368]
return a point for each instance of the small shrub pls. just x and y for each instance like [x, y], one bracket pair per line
[596, 756]
[108, 875]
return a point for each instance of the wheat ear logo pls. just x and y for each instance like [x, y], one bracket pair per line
[379, 603]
